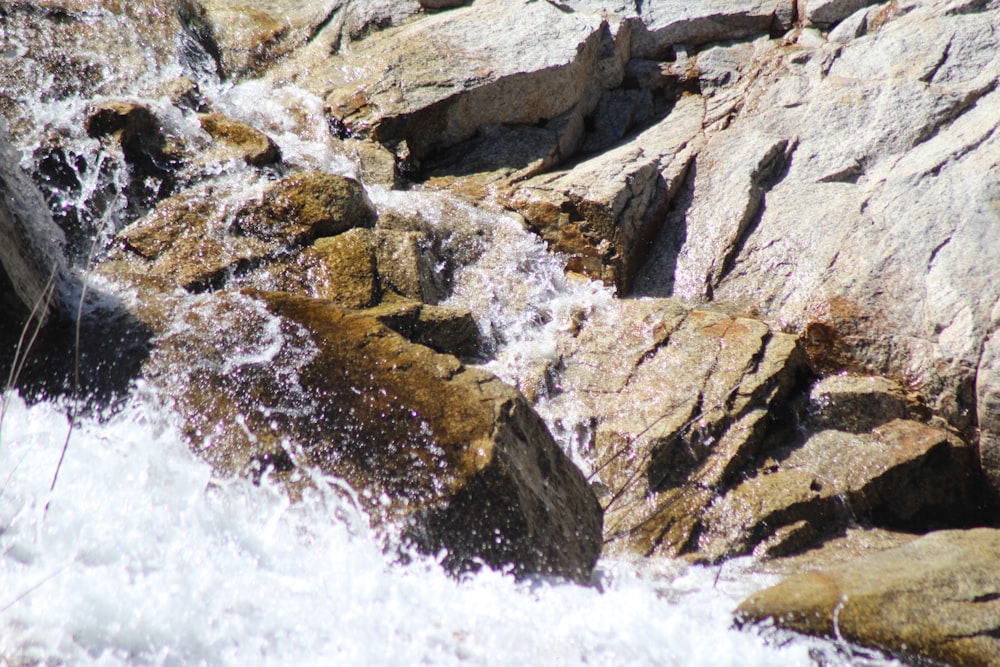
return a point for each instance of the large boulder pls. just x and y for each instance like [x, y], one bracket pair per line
[434, 82]
[936, 598]
[297, 387]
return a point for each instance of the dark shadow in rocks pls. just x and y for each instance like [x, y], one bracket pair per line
[656, 276]
[112, 346]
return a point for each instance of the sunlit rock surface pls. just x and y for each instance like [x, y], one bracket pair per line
[936, 597]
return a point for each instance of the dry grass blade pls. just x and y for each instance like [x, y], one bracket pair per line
[24, 343]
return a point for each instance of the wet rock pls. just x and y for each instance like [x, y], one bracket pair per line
[604, 211]
[407, 265]
[206, 235]
[708, 441]
[247, 39]
[70, 45]
[445, 329]
[32, 266]
[186, 239]
[237, 140]
[457, 456]
[308, 205]
[936, 598]
[144, 144]
[340, 269]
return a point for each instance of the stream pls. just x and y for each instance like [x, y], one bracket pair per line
[139, 556]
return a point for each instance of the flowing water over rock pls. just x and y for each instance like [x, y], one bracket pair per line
[308, 363]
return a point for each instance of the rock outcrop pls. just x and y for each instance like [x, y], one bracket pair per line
[712, 438]
[806, 190]
[936, 598]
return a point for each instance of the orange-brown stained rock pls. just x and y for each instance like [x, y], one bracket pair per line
[451, 451]
[936, 597]
[240, 139]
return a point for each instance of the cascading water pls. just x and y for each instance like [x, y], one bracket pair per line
[139, 556]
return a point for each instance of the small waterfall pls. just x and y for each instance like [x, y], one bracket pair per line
[140, 556]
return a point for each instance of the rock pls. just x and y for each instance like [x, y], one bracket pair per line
[670, 22]
[202, 237]
[603, 211]
[855, 404]
[433, 83]
[246, 39]
[339, 269]
[237, 140]
[988, 402]
[140, 134]
[186, 239]
[407, 265]
[727, 376]
[32, 266]
[903, 474]
[307, 205]
[103, 49]
[739, 169]
[783, 216]
[936, 598]
[434, 5]
[452, 452]
[445, 329]
[825, 13]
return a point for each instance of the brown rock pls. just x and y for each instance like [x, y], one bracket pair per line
[407, 265]
[936, 598]
[605, 211]
[680, 401]
[186, 239]
[444, 329]
[237, 140]
[307, 205]
[903, 474]
[452, 452]
[340, 269]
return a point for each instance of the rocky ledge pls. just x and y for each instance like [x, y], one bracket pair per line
[796, 202]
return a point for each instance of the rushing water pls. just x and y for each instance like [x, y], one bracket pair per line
[138, 556]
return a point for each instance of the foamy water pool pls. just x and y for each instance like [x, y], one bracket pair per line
[141, 558]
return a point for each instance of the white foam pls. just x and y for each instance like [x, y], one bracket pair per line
[142, 558]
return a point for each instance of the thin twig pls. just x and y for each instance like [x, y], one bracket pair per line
[33, 589]
[22, 351]
[76, 383]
